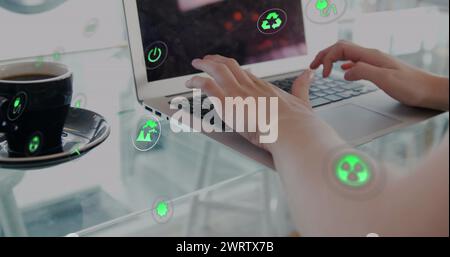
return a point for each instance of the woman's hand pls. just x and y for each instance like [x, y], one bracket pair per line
[229, 80]
[407, 84]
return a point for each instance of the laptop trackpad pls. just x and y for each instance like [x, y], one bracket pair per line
[353, 122]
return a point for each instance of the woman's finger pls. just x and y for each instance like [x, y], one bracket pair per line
[319, 57]
[240, 75]
[347, 66]
[220, 72]
[346, 51]
[207, 85]
[364, 71]
[302, 85]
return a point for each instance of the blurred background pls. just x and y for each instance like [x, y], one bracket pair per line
[114, 180]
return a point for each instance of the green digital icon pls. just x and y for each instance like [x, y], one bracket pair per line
[78, 104]
[272, 16]
[155, 54]
[91, 27]
[56, 56]
[148, 131]
[162, 209]
[34, 144]
[76, 150]
[321, 4]
[17, 105]
[272, 21]
[351, 170]
[79, 101]
[147, 134]
[325, 8]
[39, 62]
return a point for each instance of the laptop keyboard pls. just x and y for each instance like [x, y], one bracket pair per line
[326, 91]
[323, 91]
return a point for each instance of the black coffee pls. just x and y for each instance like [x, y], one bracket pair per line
[28, 77]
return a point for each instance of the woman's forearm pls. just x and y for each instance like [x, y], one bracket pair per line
[301, 158]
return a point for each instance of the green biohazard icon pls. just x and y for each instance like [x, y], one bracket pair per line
[148, 131]
[272, 21]
[34, 144]
[351, 170]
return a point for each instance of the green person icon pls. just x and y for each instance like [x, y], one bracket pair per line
[325, 7]
[147, 131]
[321, 4]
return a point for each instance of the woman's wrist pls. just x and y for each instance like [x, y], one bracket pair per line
[304, 129]
[433, 91]
[439, 93]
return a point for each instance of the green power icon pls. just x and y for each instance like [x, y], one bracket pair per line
[155, 54]
[272, 21]
[353, 171]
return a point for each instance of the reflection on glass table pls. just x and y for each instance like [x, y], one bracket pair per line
[254, 204]
[248, 205]
[115, 179]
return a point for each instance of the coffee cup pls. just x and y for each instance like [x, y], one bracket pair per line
[34, 102]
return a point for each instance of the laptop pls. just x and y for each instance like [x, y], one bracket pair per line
[165, 36]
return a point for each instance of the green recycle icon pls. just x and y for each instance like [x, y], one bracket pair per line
[273, 16]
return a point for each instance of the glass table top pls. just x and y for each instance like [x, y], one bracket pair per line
[212, 190]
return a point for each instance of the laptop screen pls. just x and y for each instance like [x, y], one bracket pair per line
[174, 32]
